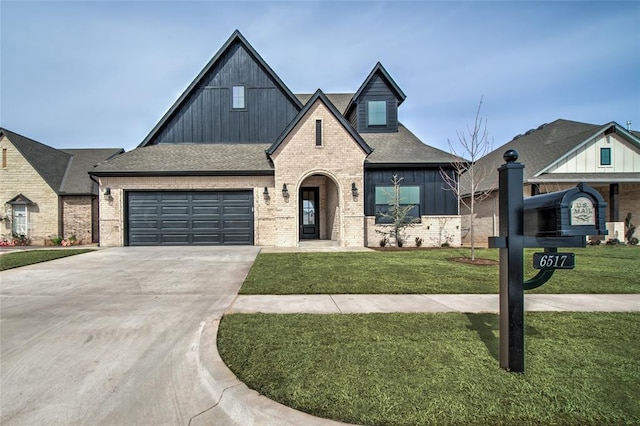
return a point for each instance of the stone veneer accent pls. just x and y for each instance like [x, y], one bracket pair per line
[434, 231]
[20, 177]
[340, 160]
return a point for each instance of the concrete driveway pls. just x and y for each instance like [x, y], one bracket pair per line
[113, 336]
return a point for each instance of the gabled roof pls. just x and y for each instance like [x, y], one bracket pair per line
[189, 159]
[19, 199]
[544, 146]
[609, 127]
[76, 181]
[49, 162]
[378, 69]
[236, 37]
[64, 170]
[331, 107]
[403, 148]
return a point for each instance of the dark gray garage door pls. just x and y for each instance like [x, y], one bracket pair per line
[186, 218]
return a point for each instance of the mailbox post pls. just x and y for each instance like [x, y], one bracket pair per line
[557, 219]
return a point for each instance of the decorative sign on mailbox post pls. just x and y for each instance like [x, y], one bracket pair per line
[557, 219]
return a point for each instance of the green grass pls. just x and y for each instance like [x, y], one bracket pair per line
[23, 258]
[603, 269]
[440, 369]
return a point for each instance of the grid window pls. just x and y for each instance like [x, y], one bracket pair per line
[409, 196]
[377, 113]
[238, 97]
[605, 156]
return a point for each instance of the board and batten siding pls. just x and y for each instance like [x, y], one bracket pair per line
[433, 199]
[207, 116]
[625, 158]
[377, 90]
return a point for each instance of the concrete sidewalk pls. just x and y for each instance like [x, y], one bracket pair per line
[245, 406]
[387, 303]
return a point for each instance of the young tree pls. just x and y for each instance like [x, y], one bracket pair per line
[475, 144]
[398, 214]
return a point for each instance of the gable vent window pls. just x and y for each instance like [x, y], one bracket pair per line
[238, 97]
[4, 158]
[605, 156]
[318, 132]
[377, 113]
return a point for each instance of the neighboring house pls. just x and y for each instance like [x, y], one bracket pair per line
[240, 159]
[558, 156]
[47, 192]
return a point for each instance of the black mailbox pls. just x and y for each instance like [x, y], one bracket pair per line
[573, 212]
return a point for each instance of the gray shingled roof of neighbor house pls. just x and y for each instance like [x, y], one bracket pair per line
[537, 149]
[50, 163]
[76, 180]
[189, 159]
[64, 170]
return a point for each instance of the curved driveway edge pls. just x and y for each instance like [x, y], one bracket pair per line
[114, 336]
[235, 400]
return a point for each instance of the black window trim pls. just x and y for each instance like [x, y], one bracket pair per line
[244, 98]
[386, 114]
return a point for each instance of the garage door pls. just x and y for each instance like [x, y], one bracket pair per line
[189, 218]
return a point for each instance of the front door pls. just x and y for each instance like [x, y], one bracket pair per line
[309, 209]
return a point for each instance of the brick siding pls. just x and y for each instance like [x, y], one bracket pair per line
[20, 177]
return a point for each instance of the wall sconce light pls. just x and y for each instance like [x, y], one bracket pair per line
[285, 191]
[107, 193]
[265, 194]
[354, 190]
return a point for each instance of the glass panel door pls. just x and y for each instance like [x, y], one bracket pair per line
[309, 226]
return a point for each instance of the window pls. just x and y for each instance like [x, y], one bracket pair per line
[377, 113]
[238, 97]
[4, 158]
[605, 156]
[318, 132]
[19, 219]
[409, 196]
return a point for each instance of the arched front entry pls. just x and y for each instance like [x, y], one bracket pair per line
[319, 209]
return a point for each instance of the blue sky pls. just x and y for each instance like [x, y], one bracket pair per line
[101, 74]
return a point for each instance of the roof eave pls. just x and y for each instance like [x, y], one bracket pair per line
[183, 173]
[394, 86]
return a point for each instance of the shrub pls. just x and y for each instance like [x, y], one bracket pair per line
[418, 242]
[56, 241]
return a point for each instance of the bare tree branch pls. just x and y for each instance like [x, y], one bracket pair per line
[468, 182]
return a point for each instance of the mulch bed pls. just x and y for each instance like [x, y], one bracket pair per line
[477, 261]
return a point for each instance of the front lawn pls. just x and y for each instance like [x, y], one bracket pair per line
[601, 269]
[23, 258]
[423, 369]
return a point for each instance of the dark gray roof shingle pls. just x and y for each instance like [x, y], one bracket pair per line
[64, 170]
[339, 100]
[537, 149]
[403, 147]
[189, 159]
[76, 180]
[49, 162]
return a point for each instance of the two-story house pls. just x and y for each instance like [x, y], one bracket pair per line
[240, 159]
